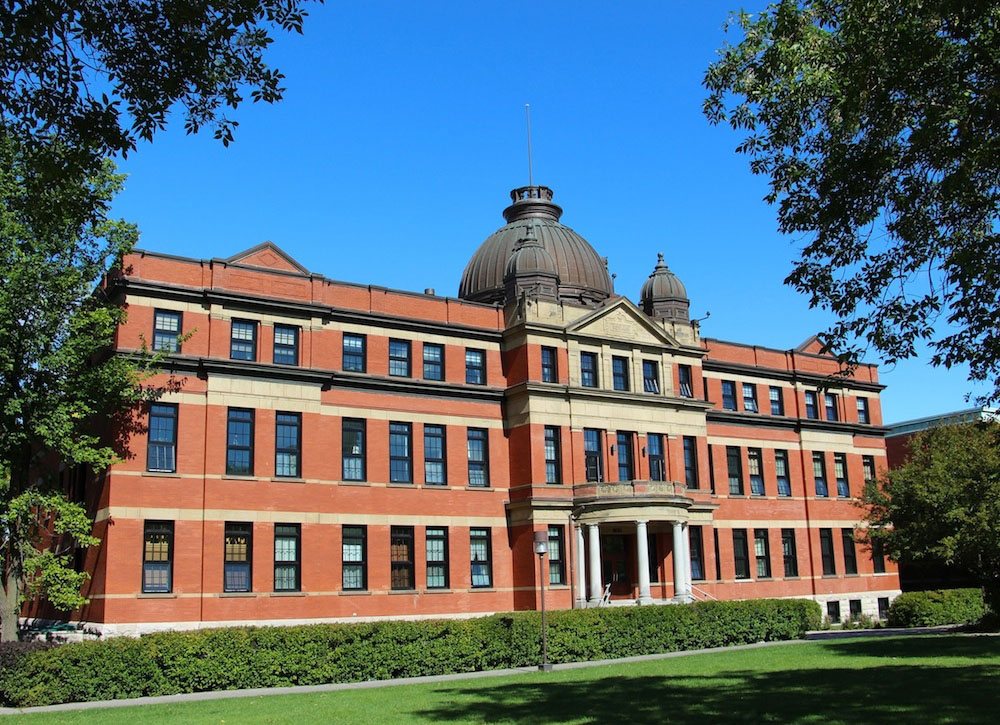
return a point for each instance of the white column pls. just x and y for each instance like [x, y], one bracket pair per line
[581, 568]
[594, 561]
[678, 557]
[642, 544]
[686, 539]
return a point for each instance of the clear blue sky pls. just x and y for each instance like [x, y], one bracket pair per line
[402, 131]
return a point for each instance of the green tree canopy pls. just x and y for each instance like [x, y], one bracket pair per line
[878, 125]
[943, 505]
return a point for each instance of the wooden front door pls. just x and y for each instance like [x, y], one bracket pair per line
[617, 564]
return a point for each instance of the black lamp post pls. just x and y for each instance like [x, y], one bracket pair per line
[541, 547]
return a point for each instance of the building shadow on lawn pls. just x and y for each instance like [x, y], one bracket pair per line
[901, 694]
[917, 647]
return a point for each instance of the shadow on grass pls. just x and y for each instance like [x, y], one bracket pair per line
[898, 693]
[916, 647]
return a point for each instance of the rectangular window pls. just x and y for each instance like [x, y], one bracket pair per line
[550, 371]
[883, 607]
[833, 611]
[553, 473]
[478, 450]
[161, 452]
[850, 557]
[728, 395]
[157, 556]
[437, 558]
[750, 397]
[239, 442]
[657, 464]
[819, 474]
[480, 557]
[826, 550]
[433, 361]
[588, 369]
[691, 461]
[287, 557]
[789, 553]
[685, 382]
[811, 411]
[435, 470]
[863, 411]
[354, 557]
[741, 556]
[840, 471]
[762, 553]
[831, 406]
[288, 445]
[718, 559]
[400, 453]
[399, 358]
[650, 376]
[238, 557]
[734, 465]
[626, 471]
[166, 331]
[557, 561]
[777, 400]
[868, 466]
[697, 553]
[354, 353]
[243, 340]
[781, 473]
[619, 373]
[654, 558]
[755, 464]
[593, 458]
[855, 609]
[286, 345]
[475, 367]
[878, 557]
[401, 557]
[353, 449]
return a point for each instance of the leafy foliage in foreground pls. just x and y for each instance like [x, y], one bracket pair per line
[237, 658]
[878, 125]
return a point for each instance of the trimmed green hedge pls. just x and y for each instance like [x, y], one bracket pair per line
[936, 607]
[244, 657]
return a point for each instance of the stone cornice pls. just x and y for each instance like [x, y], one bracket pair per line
[756, 420]
[598, 394]
[794, 376]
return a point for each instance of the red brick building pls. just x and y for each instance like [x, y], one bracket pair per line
[340, 451]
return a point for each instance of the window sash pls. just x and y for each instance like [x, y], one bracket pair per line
[777, 401]
[553, 473]
[239, 442]
[157, 557]
[353, 449]
[437, 558]
[399, 358]
[354, 566]
[475, 367]
[781, 473]
[593, 457]
[354, 353]
[755, 466]
[840, 470]
[477, 448]
[588, 369]
[862, 404]
[650, 376]
[657, 465]
[480, 558]
[819, 475]
[287, 445]
[161, 452]
[238, 557]
[243, 340]
[549, 369]
[433, 357]
[788, 553]
[626, 469]
[685, 381]
[811, 411]
[762, 553]
[166, 331]
[434, 455]
[741, 557]
[750, 397]
[690, 462]
[557, 565]
[696, 547]
[734, 466]
[286, 345]
[728, 395]
[287, 552]
[400, 453]
[826, 552]
[401, 558]
[830, 402]
[850, 555]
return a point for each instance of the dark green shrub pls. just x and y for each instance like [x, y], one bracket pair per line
[937, 607]
[245, 657]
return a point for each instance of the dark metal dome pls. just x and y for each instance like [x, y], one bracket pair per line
[663, 295]
[583, 274]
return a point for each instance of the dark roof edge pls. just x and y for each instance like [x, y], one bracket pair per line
[790, 375]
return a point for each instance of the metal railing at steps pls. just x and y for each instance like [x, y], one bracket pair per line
[704, 595]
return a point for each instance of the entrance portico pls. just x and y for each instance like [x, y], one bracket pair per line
[608, 516]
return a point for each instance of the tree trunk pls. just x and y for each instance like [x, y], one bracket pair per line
[10, 609]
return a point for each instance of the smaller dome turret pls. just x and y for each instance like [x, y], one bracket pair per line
[663, 296]
[530, 268]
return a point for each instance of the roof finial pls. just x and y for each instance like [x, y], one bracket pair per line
[527, 116]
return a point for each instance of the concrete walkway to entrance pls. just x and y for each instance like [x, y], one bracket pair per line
[304, 689]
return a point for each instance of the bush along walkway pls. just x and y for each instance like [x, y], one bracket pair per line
[249, 658]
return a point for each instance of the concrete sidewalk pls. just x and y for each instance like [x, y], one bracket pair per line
[306, 689]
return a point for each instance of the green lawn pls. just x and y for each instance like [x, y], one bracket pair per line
[899, 679]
